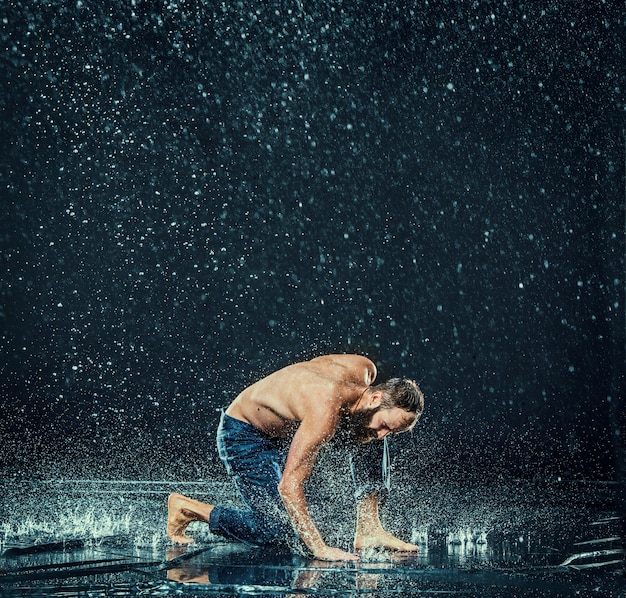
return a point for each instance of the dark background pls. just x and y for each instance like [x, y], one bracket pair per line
[195, 194]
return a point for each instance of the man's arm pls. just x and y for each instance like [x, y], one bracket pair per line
[315, 430]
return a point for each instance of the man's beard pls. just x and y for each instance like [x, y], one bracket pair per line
[358, 423]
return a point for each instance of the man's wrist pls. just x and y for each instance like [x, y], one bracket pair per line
[314, 542]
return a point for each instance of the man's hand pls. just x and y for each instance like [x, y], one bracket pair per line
[334, 554]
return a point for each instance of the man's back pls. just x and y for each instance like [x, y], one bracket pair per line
[276, 404]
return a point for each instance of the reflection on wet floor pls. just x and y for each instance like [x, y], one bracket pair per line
[98, 538]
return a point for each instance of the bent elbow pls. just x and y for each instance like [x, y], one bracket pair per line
[283, 488]
[288, 489]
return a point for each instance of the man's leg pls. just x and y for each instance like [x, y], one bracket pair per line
[370, 465]
[255, 464]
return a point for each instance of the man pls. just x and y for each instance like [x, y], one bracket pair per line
[305, 404]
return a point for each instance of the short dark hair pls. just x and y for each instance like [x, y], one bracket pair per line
[402, 393]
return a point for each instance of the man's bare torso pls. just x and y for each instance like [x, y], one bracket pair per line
[278, 403]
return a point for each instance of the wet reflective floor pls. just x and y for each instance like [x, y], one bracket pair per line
[96, 538]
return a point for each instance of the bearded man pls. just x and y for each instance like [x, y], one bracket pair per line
[269, 439]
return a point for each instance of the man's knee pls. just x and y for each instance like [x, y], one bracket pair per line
[275, 530]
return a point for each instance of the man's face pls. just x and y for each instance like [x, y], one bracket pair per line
[376, 422]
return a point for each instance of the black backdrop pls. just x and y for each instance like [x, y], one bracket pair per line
[197, 193]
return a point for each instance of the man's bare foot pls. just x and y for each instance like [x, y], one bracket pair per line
[370, 532]
[381, 539]
[181, 511]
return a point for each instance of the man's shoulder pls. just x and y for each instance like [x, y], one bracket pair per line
[348, 366]
[344, 359]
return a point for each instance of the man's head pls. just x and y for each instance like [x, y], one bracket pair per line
[392, 407]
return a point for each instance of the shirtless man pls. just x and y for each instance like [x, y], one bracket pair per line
[306, 403]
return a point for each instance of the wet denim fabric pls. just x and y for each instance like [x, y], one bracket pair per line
[255, 462]
[370, 466]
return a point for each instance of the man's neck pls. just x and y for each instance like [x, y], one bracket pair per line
[356, 405]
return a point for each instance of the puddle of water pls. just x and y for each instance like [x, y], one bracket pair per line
[97, 537]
